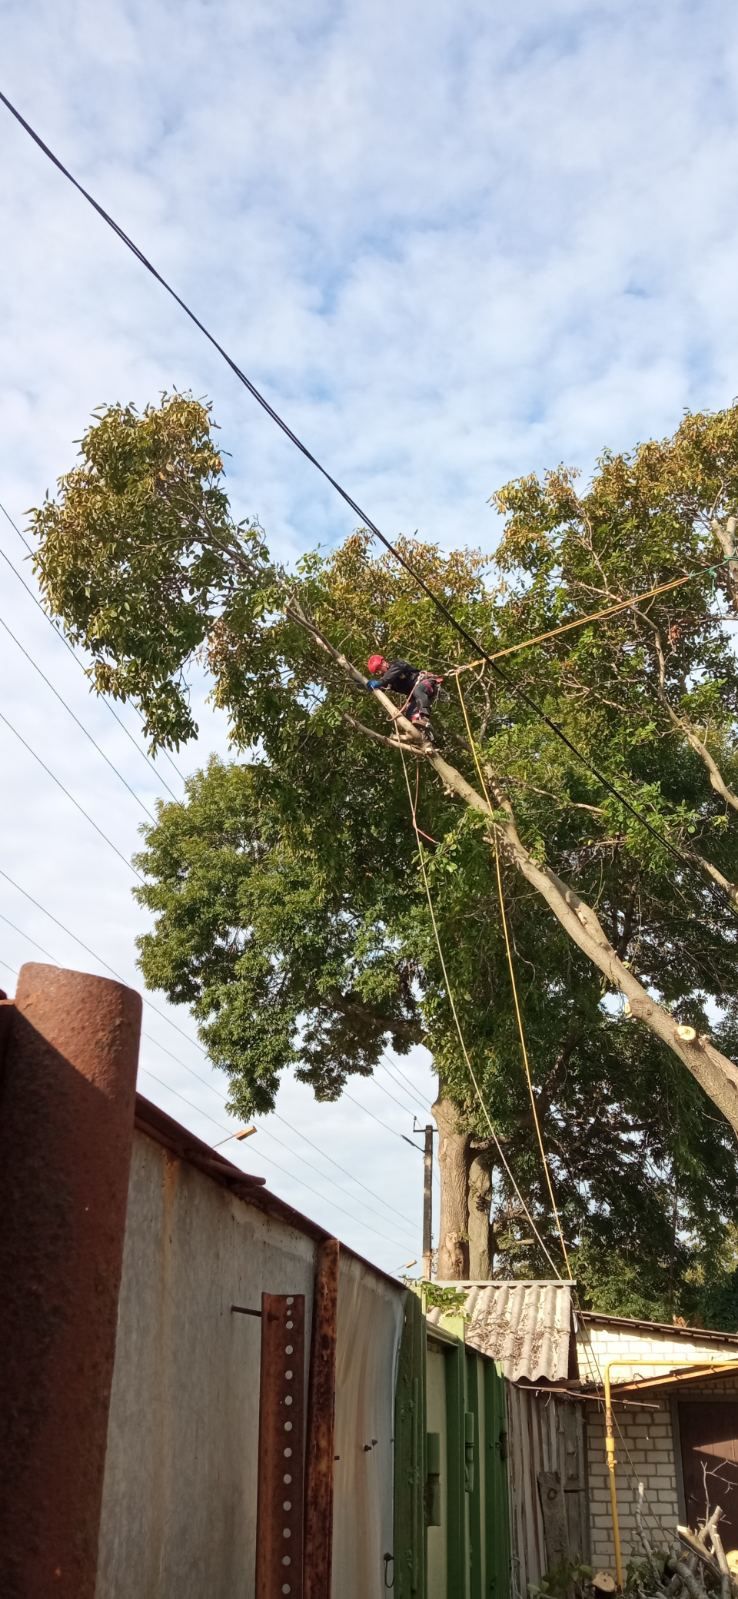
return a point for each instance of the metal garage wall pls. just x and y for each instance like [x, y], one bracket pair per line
[179, 1498]
[370, 1318]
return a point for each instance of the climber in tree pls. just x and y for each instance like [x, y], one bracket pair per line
[419, 689]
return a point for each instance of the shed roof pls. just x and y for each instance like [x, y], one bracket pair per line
[695, 1335]
[527, 1326]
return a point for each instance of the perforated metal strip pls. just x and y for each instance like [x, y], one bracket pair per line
[279, 1529]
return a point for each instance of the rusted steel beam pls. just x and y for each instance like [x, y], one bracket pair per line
[320, 1425]
[279, 1516]
[67, 1093]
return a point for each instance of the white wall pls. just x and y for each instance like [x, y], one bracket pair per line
[646, 1449]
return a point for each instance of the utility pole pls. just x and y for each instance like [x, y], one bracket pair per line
[427, 1132]
[427, 1197]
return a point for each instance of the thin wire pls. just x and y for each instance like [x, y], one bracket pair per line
[65, 641]
[75, 718]
[165, 1051]
[366, 1112]
[514, 986]
[266, 1133]
[398, 1068]
[457, 1023]
[71, 797]
[595, 616]
[388, 1095]
[318, 1147]
[464, 632]
[413, 1098]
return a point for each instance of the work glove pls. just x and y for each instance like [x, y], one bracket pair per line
[373, 682]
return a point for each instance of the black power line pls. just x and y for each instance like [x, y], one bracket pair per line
[464, 632]
[70, 796]
[197, 1075]
[65, 641]
[47, 680]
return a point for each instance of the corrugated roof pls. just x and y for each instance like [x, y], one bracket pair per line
[527, 1326]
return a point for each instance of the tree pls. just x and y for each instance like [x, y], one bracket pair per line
[140, 558]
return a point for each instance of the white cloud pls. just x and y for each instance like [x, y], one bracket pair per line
[452, 245]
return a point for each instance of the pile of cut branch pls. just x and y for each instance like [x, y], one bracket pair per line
[695, 1567]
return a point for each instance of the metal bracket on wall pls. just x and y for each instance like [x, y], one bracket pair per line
[279, 1517]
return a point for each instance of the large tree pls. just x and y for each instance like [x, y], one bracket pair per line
[288, 906]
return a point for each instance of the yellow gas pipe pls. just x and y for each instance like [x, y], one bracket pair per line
[700, 1370]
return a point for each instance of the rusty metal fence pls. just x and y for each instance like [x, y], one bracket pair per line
[157, 1440]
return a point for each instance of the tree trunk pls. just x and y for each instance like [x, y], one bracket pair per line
[715, 1073]
[481, 1253]
[454, 1161]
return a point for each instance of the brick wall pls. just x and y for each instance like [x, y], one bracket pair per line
[645, 1453]
[596, 1346]
[645, 1446]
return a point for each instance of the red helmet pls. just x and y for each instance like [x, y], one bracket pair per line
[375, 663]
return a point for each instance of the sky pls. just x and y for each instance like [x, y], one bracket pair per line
[453, 245]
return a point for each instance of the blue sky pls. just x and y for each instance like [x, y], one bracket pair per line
[452, 243]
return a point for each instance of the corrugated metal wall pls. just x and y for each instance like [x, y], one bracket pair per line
[179, 1496]
[180, 1486]
[545, 1434]
[370, 1317]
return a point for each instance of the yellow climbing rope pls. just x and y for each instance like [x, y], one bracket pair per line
[459, 1031]
[592, 616]
[514, 986]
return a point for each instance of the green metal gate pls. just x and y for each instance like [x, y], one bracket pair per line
[451, 1496]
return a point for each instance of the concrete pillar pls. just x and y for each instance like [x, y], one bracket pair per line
[67, 1101]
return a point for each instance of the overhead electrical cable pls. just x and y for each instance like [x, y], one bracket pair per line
[514, 985]
[70, 648]
[75, 718]
[464, 632]
[79, 806]
[318, 1147]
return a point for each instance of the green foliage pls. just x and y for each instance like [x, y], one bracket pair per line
[286, 900]
[569, 1579]
[450, 1301]
[138, 554]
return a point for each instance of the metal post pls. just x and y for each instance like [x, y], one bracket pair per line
[279, 1513]
[611, 1463]
[67, 1104]
[428, 1204]
[320, 1425]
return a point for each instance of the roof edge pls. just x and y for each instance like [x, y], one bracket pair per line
[171, 1135]
[695, 1334]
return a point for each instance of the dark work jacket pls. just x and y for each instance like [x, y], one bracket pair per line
[400, 676]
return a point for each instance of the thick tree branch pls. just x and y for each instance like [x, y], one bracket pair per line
[381, 738]
[715, 1073]
[725, 534]
[399, 1026]
[717, 781]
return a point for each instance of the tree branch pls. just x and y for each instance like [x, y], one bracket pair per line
[715, 1073]
[717, 781]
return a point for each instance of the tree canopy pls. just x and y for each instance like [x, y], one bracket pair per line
[287, 902]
